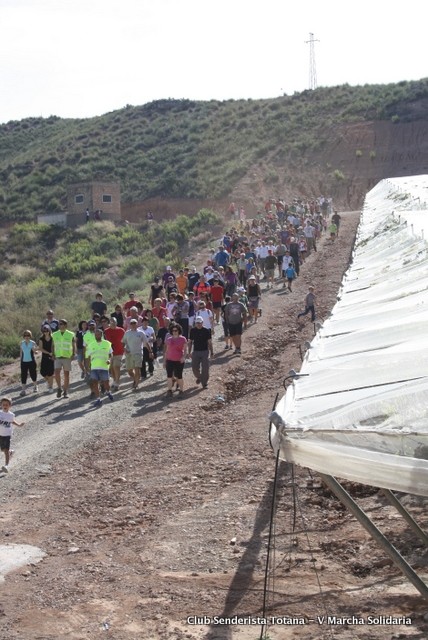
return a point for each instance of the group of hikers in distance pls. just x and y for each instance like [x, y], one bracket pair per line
[183, 309]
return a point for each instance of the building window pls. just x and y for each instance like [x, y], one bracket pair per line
[79, 199]
[106, 197]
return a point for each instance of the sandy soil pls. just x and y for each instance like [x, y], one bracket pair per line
[153, 511]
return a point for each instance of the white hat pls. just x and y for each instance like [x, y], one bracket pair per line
[169, 268]
[241, 289]
[199, 319]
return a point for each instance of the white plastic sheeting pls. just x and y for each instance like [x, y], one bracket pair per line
[360, 409]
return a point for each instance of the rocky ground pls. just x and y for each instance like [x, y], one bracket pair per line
[153, 513]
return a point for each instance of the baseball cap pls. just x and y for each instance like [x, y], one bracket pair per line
[199, 319]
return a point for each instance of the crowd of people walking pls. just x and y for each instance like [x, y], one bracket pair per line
[184, 310]
[193, 303]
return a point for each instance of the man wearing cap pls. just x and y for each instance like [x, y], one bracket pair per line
[133, 315]
[134, 342]
[166, 275]
[99, 352]
[295, 254]
[235, 314]
[201, 342]
[222, 257]
[51, 321]
[64, 349]
[130, 303]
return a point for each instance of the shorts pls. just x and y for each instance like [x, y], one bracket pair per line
[216, 305]
[5, 443]
[79, 355]
[116, 361]
[133, 360]
[280, 260]
[102, 375]
[235, 329]
[62, 363]
[253, 303]
[174, 368]
[269, 273]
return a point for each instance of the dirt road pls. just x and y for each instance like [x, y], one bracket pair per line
[154, 514]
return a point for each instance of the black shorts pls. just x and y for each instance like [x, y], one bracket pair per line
[280, 260]
[5, 443]
[235, 329]
[216, 305]
[174, 368]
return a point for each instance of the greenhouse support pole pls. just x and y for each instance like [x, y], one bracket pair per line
[369, 526]
[406, 515]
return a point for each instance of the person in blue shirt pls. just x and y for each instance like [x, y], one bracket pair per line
[222, 257]
[27, 350]
[290, 274]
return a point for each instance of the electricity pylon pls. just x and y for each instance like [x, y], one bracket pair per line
[312, 66]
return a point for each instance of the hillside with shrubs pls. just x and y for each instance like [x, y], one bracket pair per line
[324, 139]
[48, 266]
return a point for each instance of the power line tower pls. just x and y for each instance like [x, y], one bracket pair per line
[312, 66]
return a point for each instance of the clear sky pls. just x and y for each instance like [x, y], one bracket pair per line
[81, 58]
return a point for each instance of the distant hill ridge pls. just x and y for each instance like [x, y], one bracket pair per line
[336, 140]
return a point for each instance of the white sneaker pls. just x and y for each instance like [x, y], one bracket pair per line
[35, 390]
[23, 393]
[50, 390]
[5, 469]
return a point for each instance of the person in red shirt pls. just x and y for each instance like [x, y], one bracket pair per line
[216, 298]
[130, 303]
[114, 334]
[159, 312]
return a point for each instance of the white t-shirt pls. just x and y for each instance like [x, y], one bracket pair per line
[6, 419]
[206, 314]
[150, 333]
[263, 252]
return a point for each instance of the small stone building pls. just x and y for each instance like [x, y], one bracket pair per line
[95, 195]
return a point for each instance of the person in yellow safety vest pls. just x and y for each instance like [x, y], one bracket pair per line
[88, 337]
[99, 351]
[64, 350]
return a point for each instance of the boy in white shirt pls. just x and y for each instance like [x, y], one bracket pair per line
[7, 420]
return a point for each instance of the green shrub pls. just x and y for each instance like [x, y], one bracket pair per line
[338, 175]
[358, 153]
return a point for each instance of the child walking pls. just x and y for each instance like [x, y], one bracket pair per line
[7, 420]
[309, 304]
